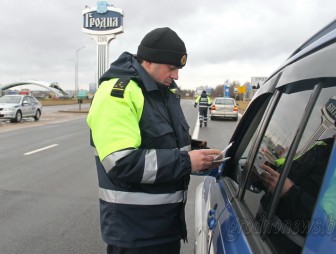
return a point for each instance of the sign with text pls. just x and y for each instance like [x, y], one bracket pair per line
[102, 23]
[102, 20]
[256, 82]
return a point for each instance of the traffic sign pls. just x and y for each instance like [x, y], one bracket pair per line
[241, 89]
[82, 95]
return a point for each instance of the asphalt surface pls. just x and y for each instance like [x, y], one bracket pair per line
[49, 199]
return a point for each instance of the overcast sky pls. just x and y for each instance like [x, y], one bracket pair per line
[225, 39]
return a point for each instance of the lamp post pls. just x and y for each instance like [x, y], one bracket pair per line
[75, 71]
[76, 68]
[76, 81]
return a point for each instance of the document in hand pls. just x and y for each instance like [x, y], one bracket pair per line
[220, 157]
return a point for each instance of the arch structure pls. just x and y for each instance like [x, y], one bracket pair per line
[52, 86]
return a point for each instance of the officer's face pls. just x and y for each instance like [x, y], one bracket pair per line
[162, 73]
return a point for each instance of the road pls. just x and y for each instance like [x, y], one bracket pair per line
[48, 184]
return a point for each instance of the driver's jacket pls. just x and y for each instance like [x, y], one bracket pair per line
[142, 142]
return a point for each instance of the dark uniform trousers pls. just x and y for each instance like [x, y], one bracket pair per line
[166, 248]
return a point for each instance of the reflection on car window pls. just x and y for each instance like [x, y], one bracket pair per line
[276, 141]
[301, 187]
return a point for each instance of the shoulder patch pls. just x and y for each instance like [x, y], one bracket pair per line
[119, 87]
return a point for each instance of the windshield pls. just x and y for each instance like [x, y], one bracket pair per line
[10, 99]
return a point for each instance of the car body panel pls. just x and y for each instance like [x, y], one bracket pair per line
[229, 233]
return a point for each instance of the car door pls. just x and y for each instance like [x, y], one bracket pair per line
[26, 107]
[33, 106]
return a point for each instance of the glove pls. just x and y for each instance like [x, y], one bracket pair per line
[195, 105]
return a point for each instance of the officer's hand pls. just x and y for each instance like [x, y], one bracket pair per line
[203, 159]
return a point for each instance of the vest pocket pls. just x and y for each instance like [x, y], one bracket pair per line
[158, 129]
[185, 125]
[158, 135]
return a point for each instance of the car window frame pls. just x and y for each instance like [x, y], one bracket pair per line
[247, 126]
[261, 132]
[320, 84]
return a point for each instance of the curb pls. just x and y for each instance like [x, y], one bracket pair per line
[85, 111]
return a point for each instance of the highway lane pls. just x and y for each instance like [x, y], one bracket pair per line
[48, 187]
[49, 198]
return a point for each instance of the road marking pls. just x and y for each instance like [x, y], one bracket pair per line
[41, 149]
[196, 130]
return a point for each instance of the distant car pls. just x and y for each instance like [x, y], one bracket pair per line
[224, 107]
[16, 107]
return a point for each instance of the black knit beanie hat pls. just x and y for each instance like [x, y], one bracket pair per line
[163, 45]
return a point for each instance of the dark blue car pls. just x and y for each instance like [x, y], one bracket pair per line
[277, 193]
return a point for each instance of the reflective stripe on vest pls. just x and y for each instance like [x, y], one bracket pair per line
[110, 160]
[140, 198]
[186, 148]
[150, 167]
[203, 102]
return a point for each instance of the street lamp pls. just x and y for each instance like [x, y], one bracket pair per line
[75, 71]
[76, 68]
[77, 50]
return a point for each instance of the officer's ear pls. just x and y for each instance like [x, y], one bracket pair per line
[146, 64]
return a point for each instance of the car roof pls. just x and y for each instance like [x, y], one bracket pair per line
[15, 95]
[325, 36]
[228, 98]
[328, 31]
[315, 58]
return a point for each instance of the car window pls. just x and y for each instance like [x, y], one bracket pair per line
[302, 173]
[10, 99]
[32, 100]
[224, 101]
[25, 100]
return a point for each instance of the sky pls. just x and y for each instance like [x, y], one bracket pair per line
[225, 40]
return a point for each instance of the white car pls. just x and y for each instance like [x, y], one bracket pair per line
[16, 107]
[224, 107]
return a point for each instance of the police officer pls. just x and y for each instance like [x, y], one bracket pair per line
[143, 148]
[204, 102]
